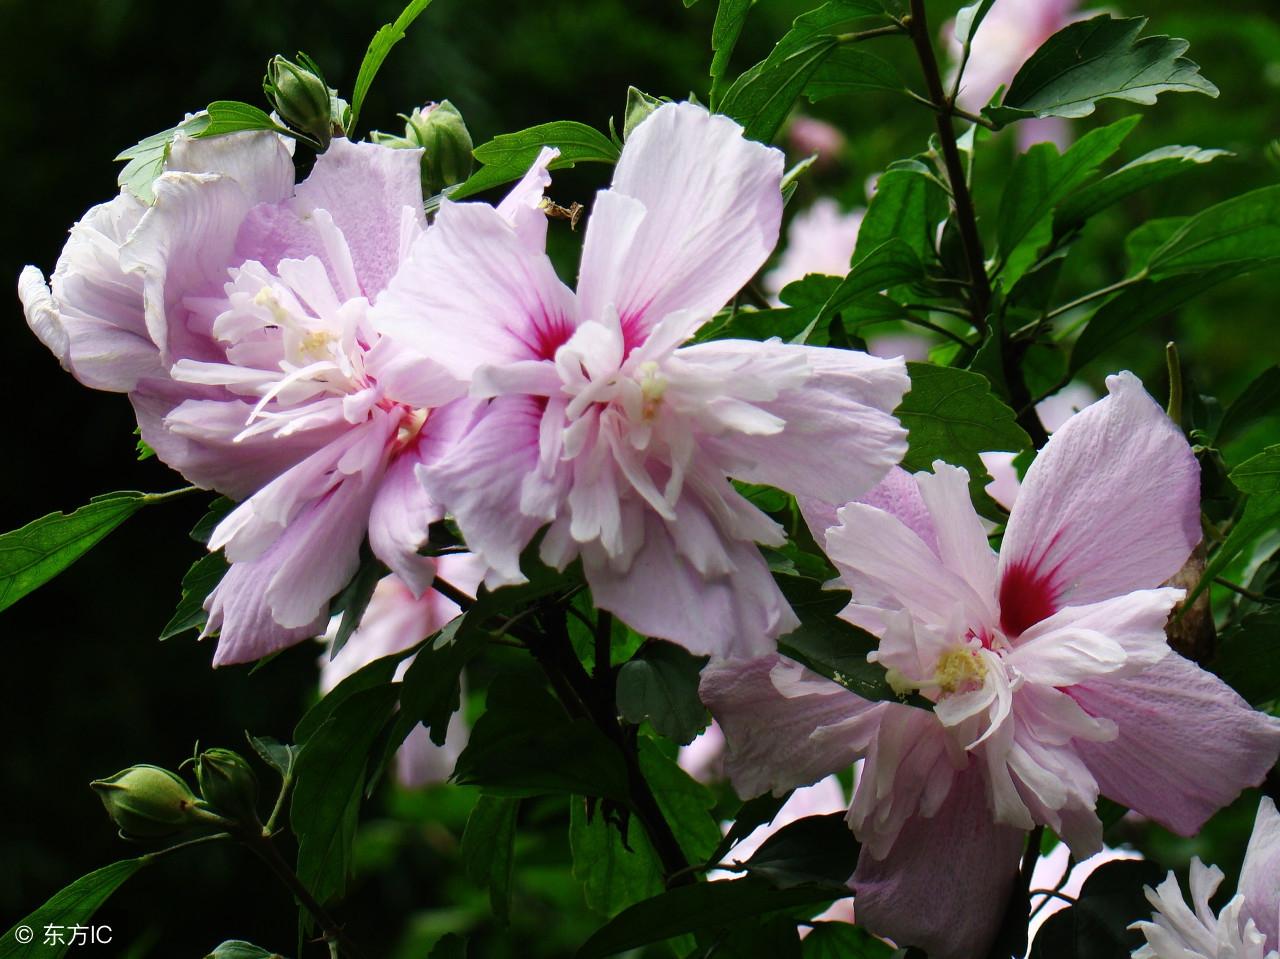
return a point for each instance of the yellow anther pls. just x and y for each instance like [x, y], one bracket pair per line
[960, 668]
[317, 344]
[267, 297]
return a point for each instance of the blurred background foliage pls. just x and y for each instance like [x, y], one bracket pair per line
[87, 690]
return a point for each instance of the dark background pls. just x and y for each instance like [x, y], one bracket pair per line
[86, 689]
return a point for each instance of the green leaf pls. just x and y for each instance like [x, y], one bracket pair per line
[894, 263]
[387, 37]
[509, 156]
[281, 757]
[685, 803]
[851, 70]
[730, 16]
[761, 98]
[1242, 232]
[39, 551]
[146, 160]
[1261, 398]
[218, 510]
[615, 873]
[525, 745]
[200, 580]
[354, 598]
[329, 785]
[1137, 306]
[1147, 170]
[908, 205]
[815, 849]
[752, 813]
[1261, 516]
[828, 645]
[776, 937]
[692, 908]
[1095, 60]
[660, 684]
[1146, 238]
[1097, 926]
[232, 116]
[238, 949]
[431, 690]
[377, 673]
[1246, 659]
[839, 940]
[1259, 474]
[969, 18]
[1041, 179]
[951, 415]
[73, 905]
[488, 849]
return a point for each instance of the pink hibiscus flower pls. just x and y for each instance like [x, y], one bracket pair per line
[235, 313]
[602, 426]
[1047, 666]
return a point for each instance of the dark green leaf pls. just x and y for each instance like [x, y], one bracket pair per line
[1261, 398]
[39, 551]
[509, 156]
[685, 803]
[614, 873]
[1259, 474]
[1137, 306]
[1096, 927]
[387, 37]
[330, 782]
[200, 580]
[774, 937]
[1242, 232]
[969, 18]
[908, 205]
[1095, 60]
[431, 690]
[218, 510]
[816, 849]
[839, 940]
[754, 812]
[851, 70]
[1261, 516]
[704, 905]
[828, 645]
[1145, 239]
[73, 905]
[279, 756]
[1247, 659]
[951, 415]
[449, 946]
[660, 684]
[892, 264]
[238, 949]
[525, 745]
[488, 849]
[1041, 179]
[730, 16]
[377, 673]
[1147, 170]
[762, 97]
[354, 599]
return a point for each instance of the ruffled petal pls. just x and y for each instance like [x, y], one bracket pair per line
[776, 742]
[944, 885]
[1260, 874]
[522, 206]
[1187, 743]
[473, 293]
[1110, 505]
[709, 211]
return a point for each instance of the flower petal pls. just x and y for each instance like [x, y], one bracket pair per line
[944, 884]
[776, 742]
[1260, 874]
[712, 207]
[1187, 743]
[1111, 505]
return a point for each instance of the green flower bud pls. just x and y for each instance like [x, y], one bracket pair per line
[148, 802]
[639, 106]
[446, 143]
[301, 97]
[227, 784]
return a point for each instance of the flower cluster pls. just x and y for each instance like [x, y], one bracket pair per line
[350, 373]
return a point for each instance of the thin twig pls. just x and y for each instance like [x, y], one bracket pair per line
[1246, 593]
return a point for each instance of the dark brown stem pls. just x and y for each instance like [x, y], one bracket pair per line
[265, 849]
[966, 217]
[603, 671]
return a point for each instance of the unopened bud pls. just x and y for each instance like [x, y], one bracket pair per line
[446, 145]
[227, 784]
[639, 106]
[148, 802]
[301, 98]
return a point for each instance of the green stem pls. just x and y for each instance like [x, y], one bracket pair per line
[172, 494]
[161, 853]
[1246, 593]
[858, 36]
[1096, 295]
[1174, 409]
